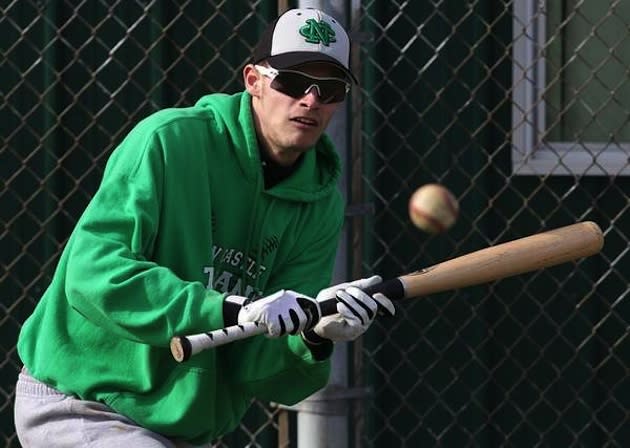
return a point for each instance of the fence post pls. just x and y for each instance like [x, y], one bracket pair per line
[322, 419]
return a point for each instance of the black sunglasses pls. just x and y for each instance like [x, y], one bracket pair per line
[297, 84]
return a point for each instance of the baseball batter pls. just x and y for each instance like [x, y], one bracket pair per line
[220, 213]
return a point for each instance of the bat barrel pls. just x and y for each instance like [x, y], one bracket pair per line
[538, 251]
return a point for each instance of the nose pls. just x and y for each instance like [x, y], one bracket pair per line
[311, 96]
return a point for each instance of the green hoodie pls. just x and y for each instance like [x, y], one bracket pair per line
[180, 219]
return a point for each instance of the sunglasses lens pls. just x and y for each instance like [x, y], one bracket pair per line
[296, 84]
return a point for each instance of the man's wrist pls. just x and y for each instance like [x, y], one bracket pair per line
[321, 348]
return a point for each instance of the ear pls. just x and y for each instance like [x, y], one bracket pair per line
[252, 80]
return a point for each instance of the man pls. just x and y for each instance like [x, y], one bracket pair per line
[200, 210]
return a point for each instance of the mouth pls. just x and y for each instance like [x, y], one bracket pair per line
[305, 121]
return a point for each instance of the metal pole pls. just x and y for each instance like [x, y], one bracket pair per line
[322, 419]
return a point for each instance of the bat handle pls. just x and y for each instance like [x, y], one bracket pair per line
[183, 347]
[393, 289]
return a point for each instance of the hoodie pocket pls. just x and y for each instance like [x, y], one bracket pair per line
[190, 405]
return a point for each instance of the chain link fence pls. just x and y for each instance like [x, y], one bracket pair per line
[519, 107]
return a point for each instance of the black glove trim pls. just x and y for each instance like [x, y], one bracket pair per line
[313, 338]
[311, 310]
[231, 307]
[345, 297]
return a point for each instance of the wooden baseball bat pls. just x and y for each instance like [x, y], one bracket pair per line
[507, 259]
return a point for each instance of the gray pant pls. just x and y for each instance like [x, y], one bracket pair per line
[46, 417]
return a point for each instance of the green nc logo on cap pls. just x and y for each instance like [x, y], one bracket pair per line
[318, 32]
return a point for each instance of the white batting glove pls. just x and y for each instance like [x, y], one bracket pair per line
[282, 312]
[356, 311]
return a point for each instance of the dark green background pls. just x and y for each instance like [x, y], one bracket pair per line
[514, 363]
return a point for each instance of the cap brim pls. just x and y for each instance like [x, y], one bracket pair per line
[289, 60]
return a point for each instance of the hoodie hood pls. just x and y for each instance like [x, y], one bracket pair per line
[316, 177]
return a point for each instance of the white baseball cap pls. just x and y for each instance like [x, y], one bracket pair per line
[304, 35]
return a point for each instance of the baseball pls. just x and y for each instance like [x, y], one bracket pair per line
[433, 208]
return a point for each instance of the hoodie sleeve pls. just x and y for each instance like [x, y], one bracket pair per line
[110, 277]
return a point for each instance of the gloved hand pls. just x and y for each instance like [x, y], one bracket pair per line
[282, 312]
[356, 311]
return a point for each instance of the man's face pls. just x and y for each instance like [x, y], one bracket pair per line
[288, 126]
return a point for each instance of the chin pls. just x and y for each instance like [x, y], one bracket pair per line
[301, 139]
[305, 141]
